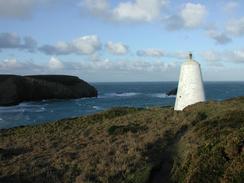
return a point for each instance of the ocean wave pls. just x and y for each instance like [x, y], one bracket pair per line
[132, 94]
[83, 98]
[11, 110]
[161, 95]
[22, 109]
[42, 109]
[125, 94]
[31, 104]
[96, 107]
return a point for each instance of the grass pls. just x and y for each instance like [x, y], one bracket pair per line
[204, 143]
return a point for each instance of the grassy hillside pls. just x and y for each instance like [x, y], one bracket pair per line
[205, 143]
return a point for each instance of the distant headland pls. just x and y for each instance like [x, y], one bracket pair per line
[15, 89]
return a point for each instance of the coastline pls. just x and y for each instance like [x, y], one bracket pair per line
[109, 95]
[130, 145]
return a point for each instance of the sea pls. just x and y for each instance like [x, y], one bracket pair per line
[110, 94]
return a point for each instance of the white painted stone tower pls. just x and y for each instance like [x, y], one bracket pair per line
[190, 86]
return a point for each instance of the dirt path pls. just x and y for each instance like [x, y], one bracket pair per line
[162, 173]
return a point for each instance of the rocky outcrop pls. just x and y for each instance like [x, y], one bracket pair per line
[172, 92]
[15, 89]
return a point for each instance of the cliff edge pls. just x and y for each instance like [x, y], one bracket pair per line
[15, 89]
[203, 144]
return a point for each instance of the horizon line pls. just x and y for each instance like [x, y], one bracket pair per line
[160, 81]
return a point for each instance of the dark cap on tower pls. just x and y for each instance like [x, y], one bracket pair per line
[190, 56]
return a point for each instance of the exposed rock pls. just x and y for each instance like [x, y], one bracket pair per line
[172, 92]
[15, 89]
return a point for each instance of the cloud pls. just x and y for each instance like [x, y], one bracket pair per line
[13, 41]
[98, 62]
[102, 65]
[13, 66]
[155, 52]
[24, 67]
[178, 54]
[173, 22]
[236, 27]
[139, 10]
[130, 65]
[211, 56]
[151, 52]
[29, 67]
[55, 63]
[61, 48]
[10, 64]
[9, 40]
[234, 56]
[129, 11]
[117, 48]
[19, 8]
[129, 69]
[30, 43]
[83, 45]
[220, 38]
[104, 69]
[193, 14]
[16, 8]
[190, 16]
[86, 44]
[231, 6]
[97, 7]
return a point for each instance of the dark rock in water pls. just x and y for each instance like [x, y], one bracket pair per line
[172, 92]
[15, 89]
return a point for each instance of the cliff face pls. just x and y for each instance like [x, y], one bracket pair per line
[15, 89]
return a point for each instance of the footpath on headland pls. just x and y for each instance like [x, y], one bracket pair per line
[203, 143]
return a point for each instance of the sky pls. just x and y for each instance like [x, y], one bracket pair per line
[122, 40]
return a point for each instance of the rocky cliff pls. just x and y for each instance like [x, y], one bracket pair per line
[15, 89]
[172, 92]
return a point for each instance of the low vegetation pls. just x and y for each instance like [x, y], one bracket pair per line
[204, 143]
